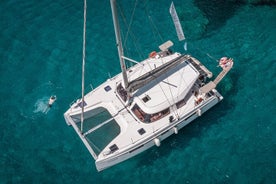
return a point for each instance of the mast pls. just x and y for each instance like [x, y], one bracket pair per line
[83, 64]
[119, 41]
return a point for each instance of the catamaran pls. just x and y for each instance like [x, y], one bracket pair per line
[144, 104]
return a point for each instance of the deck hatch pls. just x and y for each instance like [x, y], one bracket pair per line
[113, 148]
[146, 98]
[141, 131]
[107, 88]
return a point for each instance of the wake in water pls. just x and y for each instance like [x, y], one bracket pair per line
[44, 104]
[41, 106]
[36, 103]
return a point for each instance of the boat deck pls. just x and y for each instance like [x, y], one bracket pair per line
[132, 129]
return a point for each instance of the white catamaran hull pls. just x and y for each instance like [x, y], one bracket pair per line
[158, 136]
[145, 103]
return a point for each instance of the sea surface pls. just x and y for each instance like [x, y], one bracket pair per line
[41, 55]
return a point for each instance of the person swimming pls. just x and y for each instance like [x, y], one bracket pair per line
[51, 101]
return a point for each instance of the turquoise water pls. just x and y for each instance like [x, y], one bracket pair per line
[41, 55]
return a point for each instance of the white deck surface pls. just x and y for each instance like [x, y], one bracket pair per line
[174, 86]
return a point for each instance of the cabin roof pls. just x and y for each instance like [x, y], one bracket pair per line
[167, 89]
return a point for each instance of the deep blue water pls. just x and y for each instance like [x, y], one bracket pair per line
[41, 55]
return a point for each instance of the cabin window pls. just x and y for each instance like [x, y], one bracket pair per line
[146, 98]
[149, 118]
[159, 115]
[180, 104]
[138, 112]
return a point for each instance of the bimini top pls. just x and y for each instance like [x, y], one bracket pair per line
[168, 88]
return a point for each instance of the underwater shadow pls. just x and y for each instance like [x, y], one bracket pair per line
[217, 12]
[264, 3]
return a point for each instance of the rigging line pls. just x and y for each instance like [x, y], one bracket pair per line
[185, 107]
[153, 26]
[131, 21]
[83, 63]
[165, 93]
[174, 102]
[205, 53]
[170, 91]
[131, 33]
[212, 57]
[183, 80]
[179, 112]
[159, 84]
[170, 88]
[124, 21]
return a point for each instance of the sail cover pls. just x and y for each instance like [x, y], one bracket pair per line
[177, 24]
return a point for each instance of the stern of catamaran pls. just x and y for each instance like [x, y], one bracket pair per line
[106, 115]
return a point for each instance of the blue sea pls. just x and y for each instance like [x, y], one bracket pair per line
[41, 55]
